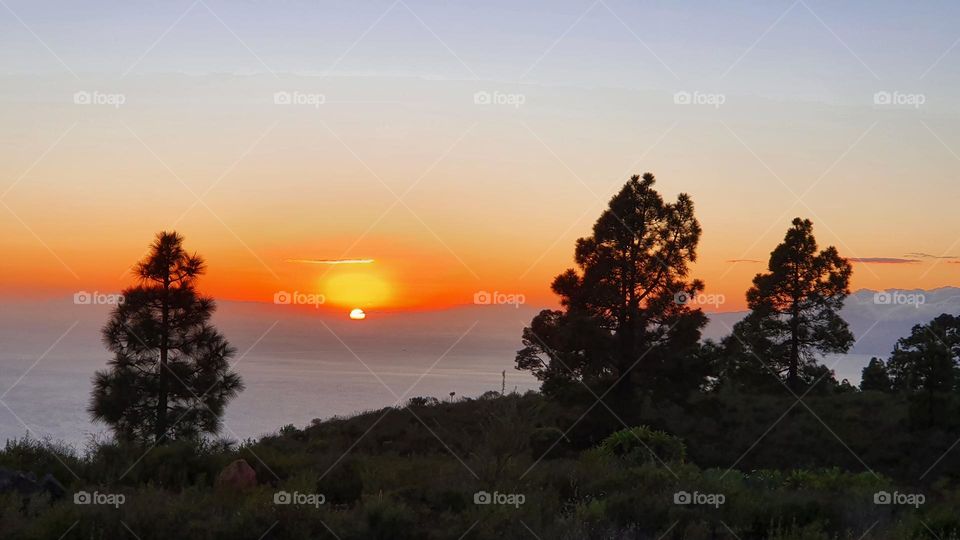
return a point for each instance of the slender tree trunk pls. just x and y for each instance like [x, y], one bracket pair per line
[161, 427]
[792, 374]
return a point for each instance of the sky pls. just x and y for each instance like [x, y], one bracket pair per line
[465, 146]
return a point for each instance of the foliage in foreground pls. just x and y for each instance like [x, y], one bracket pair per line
[417, 472]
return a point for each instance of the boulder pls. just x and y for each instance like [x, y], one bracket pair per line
[238, 475]
[26, 484]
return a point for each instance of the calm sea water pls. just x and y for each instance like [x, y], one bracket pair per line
[297, 365]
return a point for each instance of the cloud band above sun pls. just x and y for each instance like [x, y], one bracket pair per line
[883, 260]
[330, 261]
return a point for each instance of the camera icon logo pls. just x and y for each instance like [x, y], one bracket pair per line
[282, 98]
[882, 98]
[882, 298]
[82, 98]
[482, 98]
[682, 98]
[81, 497]
[82, 298]
[882, 497]
[482, 297]
[282, 497]
[282, 297]
[482, 497]
[681, 298]
[682, 497]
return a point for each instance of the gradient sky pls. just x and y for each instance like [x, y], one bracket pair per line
[451, 197]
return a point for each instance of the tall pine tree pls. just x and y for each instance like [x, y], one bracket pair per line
[621, 327]
[170, 376]
[795, 307]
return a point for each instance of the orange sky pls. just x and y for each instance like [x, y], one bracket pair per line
[466, 150]
[450, 198]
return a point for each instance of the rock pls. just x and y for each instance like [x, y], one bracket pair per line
[52, 486]
[26, 484]
[238, 475]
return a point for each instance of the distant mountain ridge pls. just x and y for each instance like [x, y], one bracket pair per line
[876, 318]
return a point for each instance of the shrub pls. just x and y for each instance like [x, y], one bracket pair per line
[640, 445]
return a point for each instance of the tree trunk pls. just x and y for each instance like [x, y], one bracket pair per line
[792, 373]
[161, 427]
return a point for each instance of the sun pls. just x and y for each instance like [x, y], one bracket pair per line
[358, 314]
[352, 289]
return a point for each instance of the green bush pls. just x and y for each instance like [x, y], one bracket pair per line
[641, 445]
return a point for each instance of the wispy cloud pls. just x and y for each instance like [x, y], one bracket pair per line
[743, 260]
[330, 261]
[921, 255]
[883, 260]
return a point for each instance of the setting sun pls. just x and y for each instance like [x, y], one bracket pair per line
[357, 289]
[357, 314]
